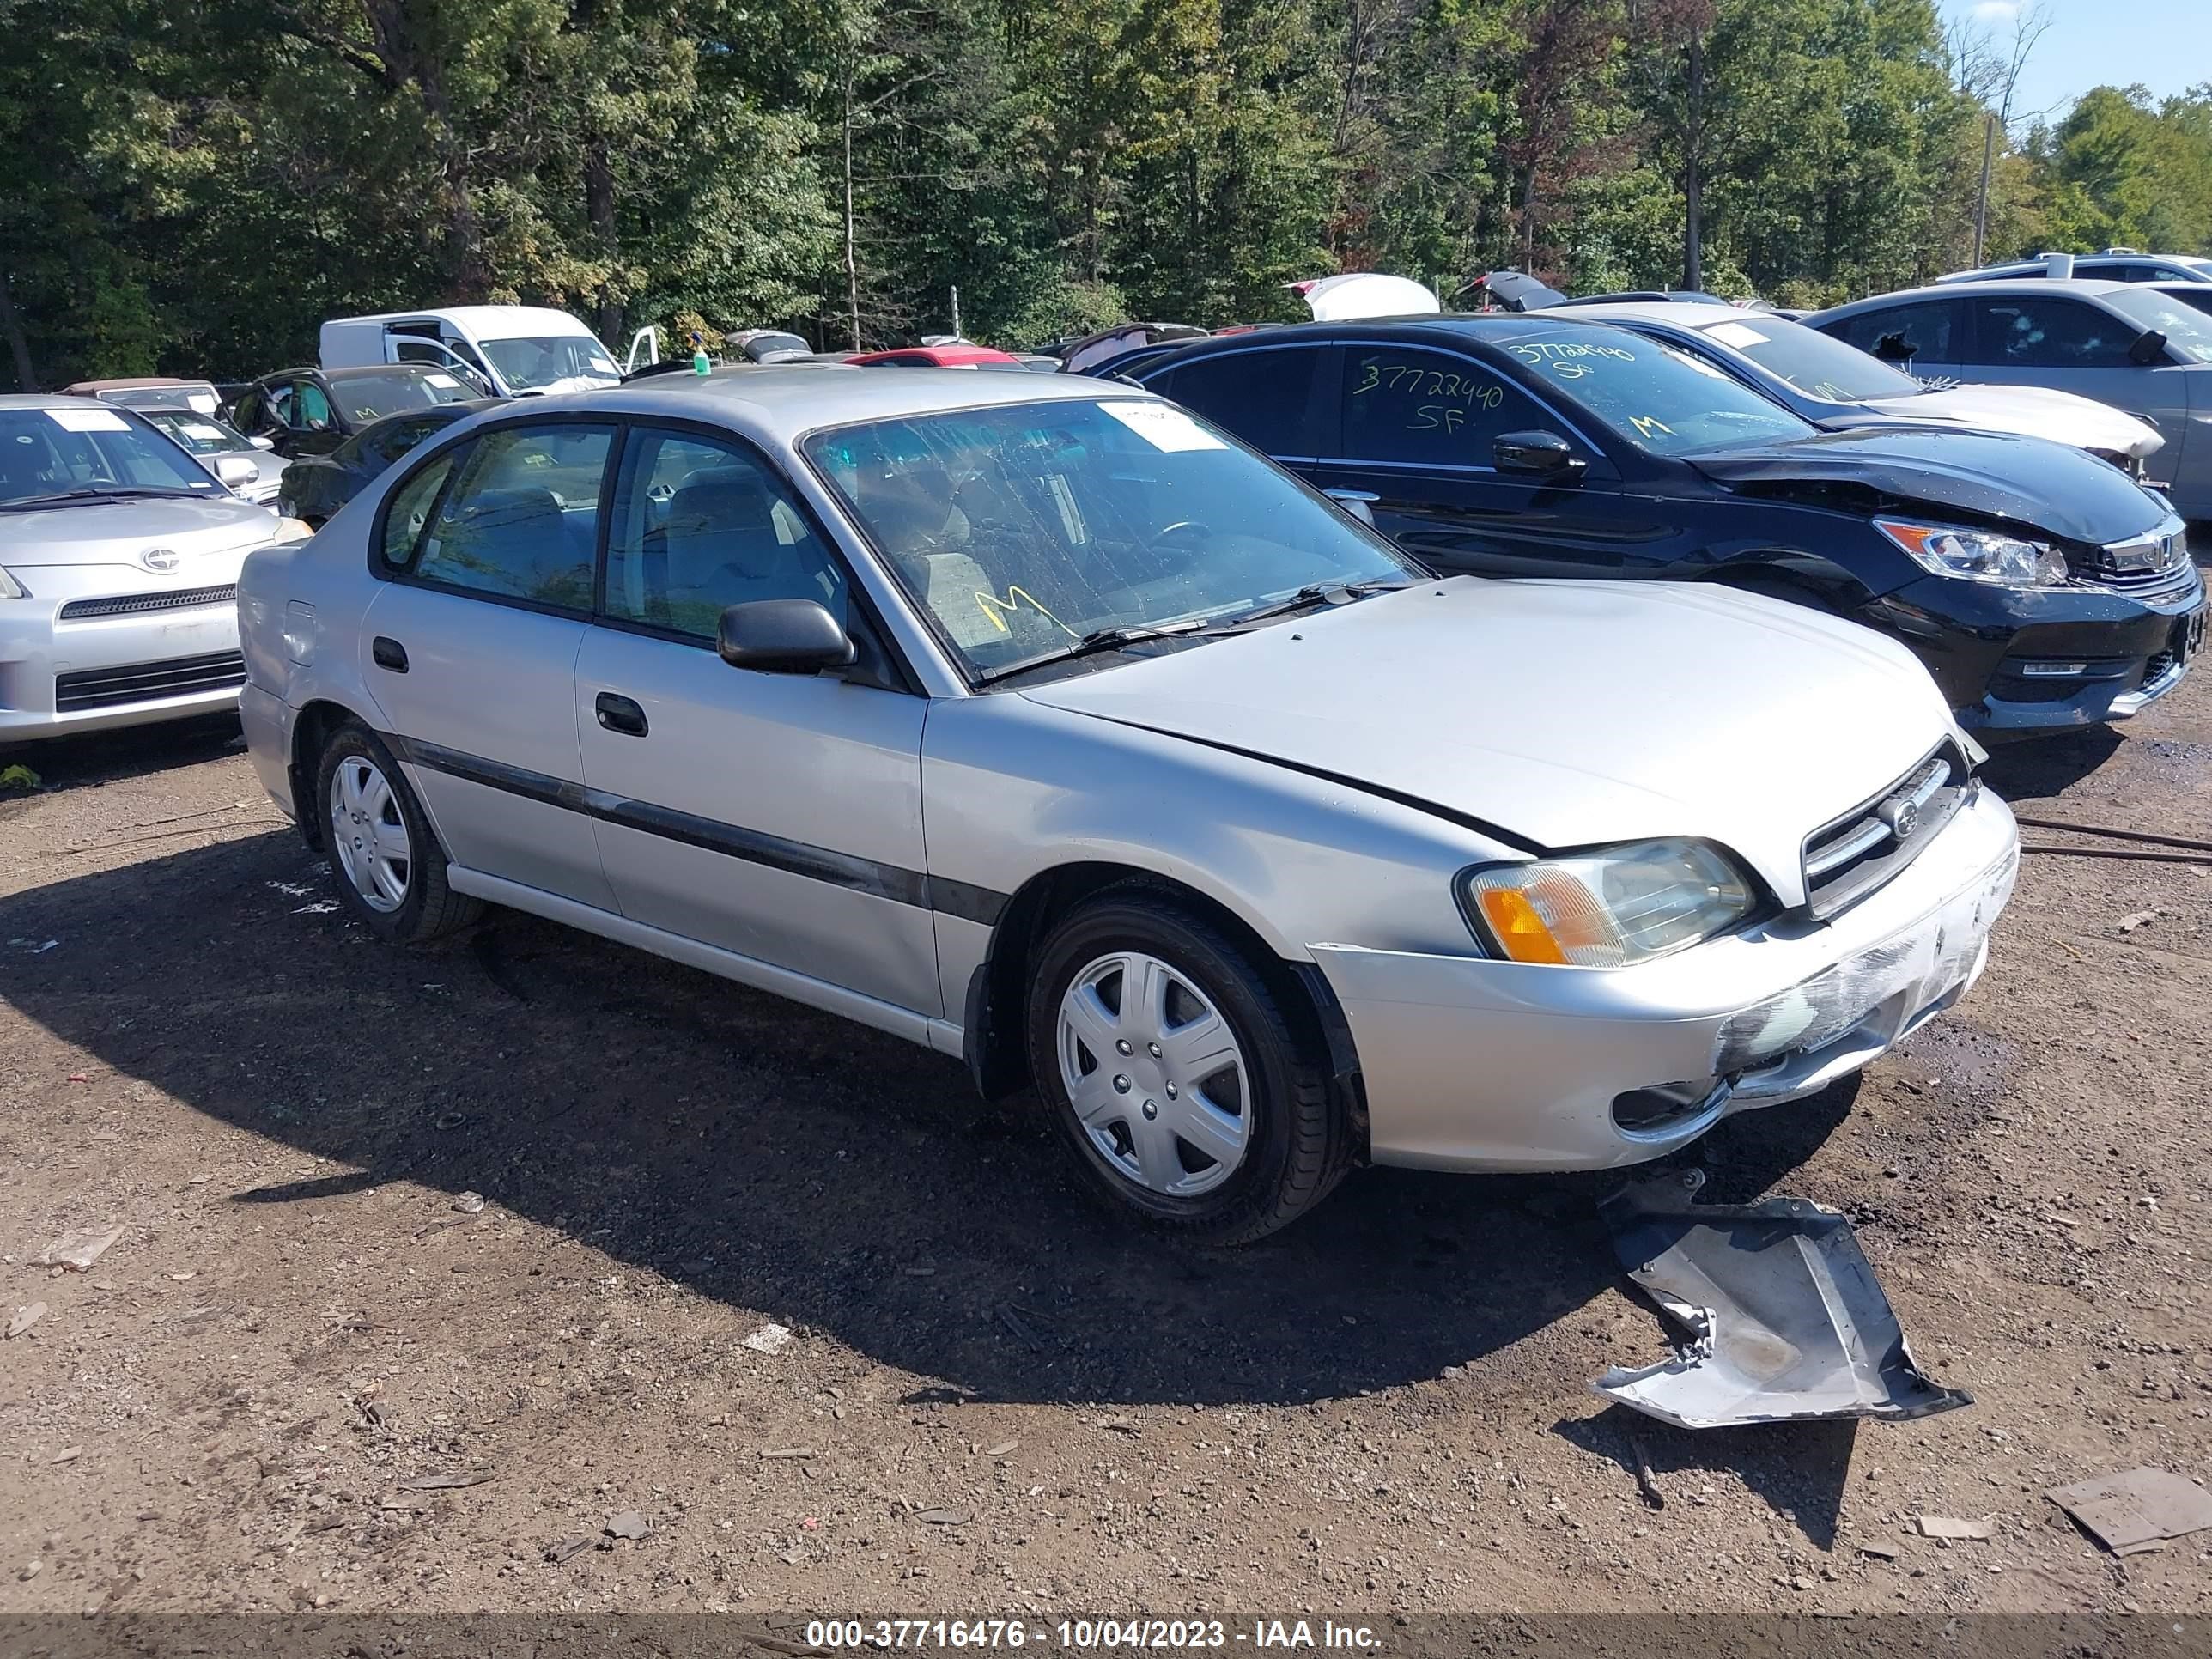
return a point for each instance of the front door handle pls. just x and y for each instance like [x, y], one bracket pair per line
[619, 713]
[388, 653]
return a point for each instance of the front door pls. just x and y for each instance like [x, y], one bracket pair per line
[469, 649]
[776, 816]
[1414, 436]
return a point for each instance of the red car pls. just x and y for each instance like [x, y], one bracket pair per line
[962, 356]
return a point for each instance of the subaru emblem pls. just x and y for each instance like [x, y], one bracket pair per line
[160, 558]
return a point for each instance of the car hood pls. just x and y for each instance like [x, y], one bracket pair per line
[2037, 411]
[118, 532]
[1564, 713]
[2052, 487]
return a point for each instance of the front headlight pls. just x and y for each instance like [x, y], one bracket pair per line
[1978, 556]
[12, 589]
[1609, 909]
[290, 531]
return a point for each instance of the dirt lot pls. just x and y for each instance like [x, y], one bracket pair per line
[995, 1399]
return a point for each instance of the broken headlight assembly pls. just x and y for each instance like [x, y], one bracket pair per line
[1610, 908]
[1977, 556]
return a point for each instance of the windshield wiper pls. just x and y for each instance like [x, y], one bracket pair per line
[99, 493]
[1314, 593]
[1100, 640]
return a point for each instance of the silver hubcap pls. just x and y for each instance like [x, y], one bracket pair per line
[1154, 1074]
[369, 835]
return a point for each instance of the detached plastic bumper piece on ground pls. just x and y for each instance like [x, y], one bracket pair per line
[1784, 1320]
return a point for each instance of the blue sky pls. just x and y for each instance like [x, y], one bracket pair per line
[2166, 45]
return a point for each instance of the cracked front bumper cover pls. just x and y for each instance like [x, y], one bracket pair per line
[1784, 1320]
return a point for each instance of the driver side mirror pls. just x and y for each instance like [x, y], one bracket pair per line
[1544, 454]
[782, 636]
[235, 470]
[262, 441]
[2149, 348]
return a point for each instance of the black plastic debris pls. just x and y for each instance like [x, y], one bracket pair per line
[1781, 1318]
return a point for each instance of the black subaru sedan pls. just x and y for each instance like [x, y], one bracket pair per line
[2042, 587]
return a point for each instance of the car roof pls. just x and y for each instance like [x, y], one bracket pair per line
[455, 411]
[2087, 288]
[358, 372]
[1689, 314]
[54, 400]
[476, 319]
[138, 383]
[797, 398]
[1499, 328]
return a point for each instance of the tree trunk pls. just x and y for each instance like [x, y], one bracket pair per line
[19, 343]
[599, 207]
[1693, 184]
[852, 253]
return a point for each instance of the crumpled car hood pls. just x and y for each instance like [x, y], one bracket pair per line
[2035, 410]
[2057, 489]
[1563, 712]
[117, 532]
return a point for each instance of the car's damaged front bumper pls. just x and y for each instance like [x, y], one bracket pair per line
[1470, 1063]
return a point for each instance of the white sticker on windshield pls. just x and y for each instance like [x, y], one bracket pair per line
[204, 402]
[1738, 335]
[1162, 425]
[441, 380]
[203, 431]
[87, 420]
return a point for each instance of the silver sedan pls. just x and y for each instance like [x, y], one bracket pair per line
[1044, 725]
[118, 559]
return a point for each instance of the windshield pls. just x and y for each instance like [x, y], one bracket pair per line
[199, 434]
[1656, 397]
[94, 451]
[1817, 364]
[526, 365]
[1021, 530]
[2189, 331]
[367, 397]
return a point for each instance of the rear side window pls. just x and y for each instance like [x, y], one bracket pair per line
[521, 519]
[311, 408]
[1901, 333]
[1265, 398]
[2052, 332]
[1404, 404]
[409, 511]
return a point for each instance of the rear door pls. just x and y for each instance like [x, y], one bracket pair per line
[488, 553]
[776, 816]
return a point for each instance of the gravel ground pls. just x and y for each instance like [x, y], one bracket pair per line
[529, 1211]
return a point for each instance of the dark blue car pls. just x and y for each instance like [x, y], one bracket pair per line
[2041, 586]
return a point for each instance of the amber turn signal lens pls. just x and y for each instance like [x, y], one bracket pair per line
[1519, 931]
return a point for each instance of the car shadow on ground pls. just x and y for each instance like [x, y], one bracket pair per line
[2044, 767]
[781, 1160]
[100, 758]
[1800, 1468]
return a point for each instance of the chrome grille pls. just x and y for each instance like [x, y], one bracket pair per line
[138, 605]
[2140, 564]
[1849, 858]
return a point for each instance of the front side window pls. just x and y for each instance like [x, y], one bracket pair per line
[1657, 397]
[1897, 334]
[2013, 331]
[701, 525]
[1403, 403]
[1265, 398]
[1021, 530]
[311, 408]
[522, 519]
[83, 453]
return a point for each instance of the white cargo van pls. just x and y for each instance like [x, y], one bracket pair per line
[506, 350]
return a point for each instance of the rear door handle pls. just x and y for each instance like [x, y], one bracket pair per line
[388, 653]
[619, 713]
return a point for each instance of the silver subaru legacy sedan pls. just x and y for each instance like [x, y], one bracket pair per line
[118, 553]
[1045, 725]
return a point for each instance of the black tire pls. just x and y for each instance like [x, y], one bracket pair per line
[1298, 1142]
[431, 908]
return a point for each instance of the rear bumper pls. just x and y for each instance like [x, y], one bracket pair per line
[267, 720]
[1474, 1064]
[59, 677]
[2012, 659]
